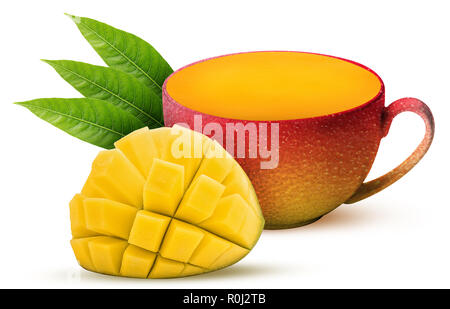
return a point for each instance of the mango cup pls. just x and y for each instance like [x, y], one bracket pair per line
[319, 121]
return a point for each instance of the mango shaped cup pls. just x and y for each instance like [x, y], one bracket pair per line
[167, 202]
[305, 127]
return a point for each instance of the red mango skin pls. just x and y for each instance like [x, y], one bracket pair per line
[323, 161]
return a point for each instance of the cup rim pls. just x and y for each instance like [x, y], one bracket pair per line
[380, 93]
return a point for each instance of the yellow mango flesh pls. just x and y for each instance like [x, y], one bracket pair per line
[164, 187]
[114, 177]
[247, 86]
[137, 262]
[167, 202]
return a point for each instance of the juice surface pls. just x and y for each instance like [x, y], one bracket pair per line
[273, 86]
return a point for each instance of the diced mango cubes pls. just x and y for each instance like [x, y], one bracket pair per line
[109, 217]
[113, 176]
[167, 202]
[200, 200]
[233, 215]
[209, 250]
[139, 147]
[106, 254]
[148, 230]
[137, 262]
[181, 241]
[82, 253]
[77, 218]
[165, 268]
[164, 187]
[216, 164]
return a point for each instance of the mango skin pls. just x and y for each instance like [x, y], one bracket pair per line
[322, 160]
[146, 213]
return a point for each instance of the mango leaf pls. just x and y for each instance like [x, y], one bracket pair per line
[91, 120]
[117, 87]
[125, 51]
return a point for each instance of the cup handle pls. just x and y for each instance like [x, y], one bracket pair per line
[402, 105]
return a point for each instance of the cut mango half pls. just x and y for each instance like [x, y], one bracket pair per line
[165, 203]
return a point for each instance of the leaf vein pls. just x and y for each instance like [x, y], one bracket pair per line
[75, 118]
[108, 91]
[123, 55]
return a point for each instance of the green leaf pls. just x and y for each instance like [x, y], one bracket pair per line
[94, 121]
[117, 87]
[125, 51]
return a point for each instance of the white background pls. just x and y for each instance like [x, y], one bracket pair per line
[398, 238]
